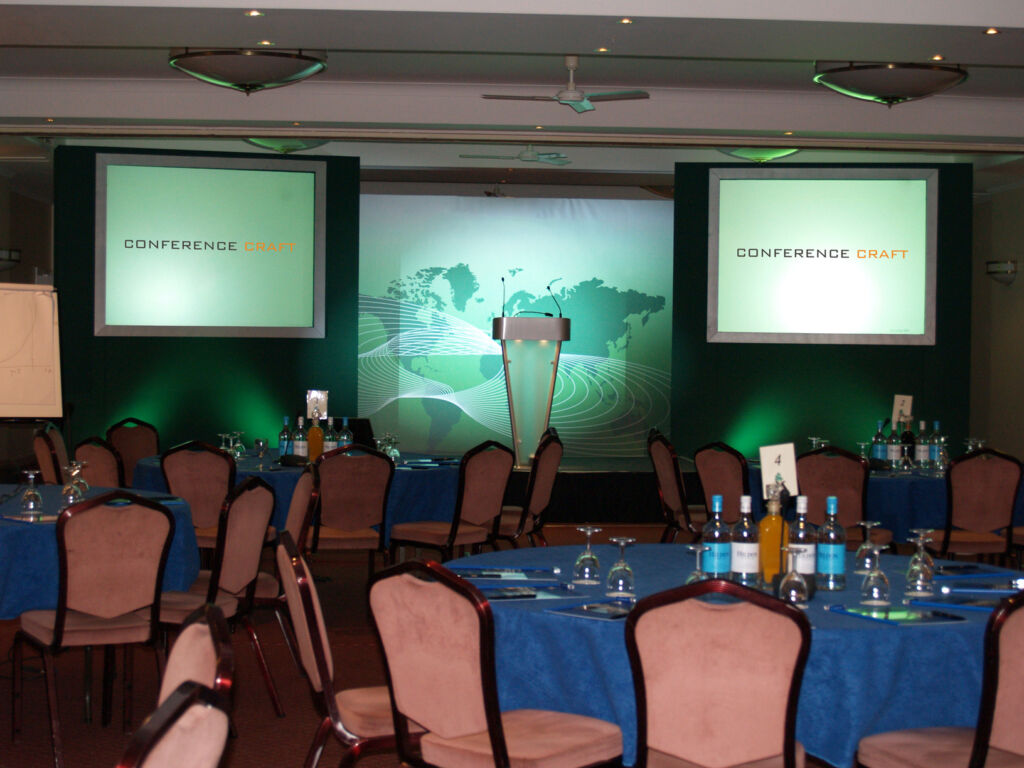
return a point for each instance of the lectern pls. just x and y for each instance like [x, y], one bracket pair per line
[529, 348]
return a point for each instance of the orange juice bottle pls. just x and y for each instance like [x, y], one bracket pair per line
[315, 436]
[772, 534]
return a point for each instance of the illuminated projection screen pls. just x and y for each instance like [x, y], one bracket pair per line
[822, 255]
[430, 282]
[209, 246]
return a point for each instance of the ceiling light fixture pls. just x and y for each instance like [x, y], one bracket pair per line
[602, 49]
[938, 57]
[891, 83]
[760, 154]
[286, 145]
[991, 31]
[253, 13]
[247, 69]
[625, 20]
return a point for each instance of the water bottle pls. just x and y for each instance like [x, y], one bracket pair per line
[284, 440]
[804, 537]
[330, 436]
[744, 548]
[894, 448]
[718, 559]
[934, 445]
[878, 444]
[831, 550]
[921, 447]
[300, 445]
[344, 434]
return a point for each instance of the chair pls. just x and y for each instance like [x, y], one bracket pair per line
[981, 487]
[832, 471]
[354, 485]
[360, 718]
[51, 454]
[361, 429]
[111, 551]
[723, 471]
[101, 463]
[437, 634]
[202, 653]
[483, 476]
[515, 521]
[134, 439]
[670, 488]
[235, 579]
[190, 728]
[202, 475]
[741, 661]
[997, 739]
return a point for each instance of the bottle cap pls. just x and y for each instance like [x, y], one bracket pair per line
[302, 421]
[832, 504]
[744, 505]
[801, 505]
[286, 420]
[716, 503]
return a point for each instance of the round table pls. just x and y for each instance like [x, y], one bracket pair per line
[862, 676]
[420, 490]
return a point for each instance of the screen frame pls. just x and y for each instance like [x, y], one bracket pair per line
[316, 330]
[931, 177]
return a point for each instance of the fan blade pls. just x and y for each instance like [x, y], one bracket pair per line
[518, 98]
[490, 157]
[562, 160]
[552, 156]
[618, 96]
[583, 105]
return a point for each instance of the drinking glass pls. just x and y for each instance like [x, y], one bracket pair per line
[76, 468]
[875, 588]
[816, 442]
[237, 445]
[223, 440]
[697, 574]
[587, 568]
[620, 576]
[920, 576]
[864, 454]
[70, 493]
[793, 587]
[261, 446]
[865, 557]
[922, 552]
[31, 500]
[392, 450]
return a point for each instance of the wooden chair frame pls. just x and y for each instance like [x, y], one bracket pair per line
[220, 635]
[132, 423]
[197, 446]
[108, 446]
[672, 525]
[720, 447]
[549, 438]
[865, 466]
[717, 587]
[45, 433]
[943, 551]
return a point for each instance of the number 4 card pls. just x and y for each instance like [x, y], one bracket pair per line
[778, 464]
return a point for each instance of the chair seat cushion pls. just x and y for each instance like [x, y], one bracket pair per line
[927, 748]
[436, 533]
[509, 521]
[175, 607]
[656, 759]
[534, 738]
[266, 585]
[206, 538]
[366, 712]
[880, 536]
[963, 542]
[336, 538]
[86, 629]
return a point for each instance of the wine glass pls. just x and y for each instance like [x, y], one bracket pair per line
[587, 568]
[864, 559]
[238, 445]
[864, 454]
[922, 552]
[875, 588]
[620, 576]
[816, 442]
[31, 500]
[920, 575]
[793, 587]
[77, 478]
[223, 440]
[69, 493]
[261, 445]
[697, 574]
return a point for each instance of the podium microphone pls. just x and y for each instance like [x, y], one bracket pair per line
[502, 295]
[555, 300]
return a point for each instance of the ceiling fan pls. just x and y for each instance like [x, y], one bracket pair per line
[528, 155]
[572, 96]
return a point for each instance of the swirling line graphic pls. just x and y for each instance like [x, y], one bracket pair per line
[601, 406]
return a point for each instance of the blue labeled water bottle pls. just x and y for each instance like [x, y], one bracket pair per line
[831, 550]
[717, 561]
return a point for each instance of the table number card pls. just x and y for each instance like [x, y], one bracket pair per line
[902, 408]
[778, 460]
[316, 398]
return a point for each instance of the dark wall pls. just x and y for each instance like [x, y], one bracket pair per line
[197, 388]
[762, 394]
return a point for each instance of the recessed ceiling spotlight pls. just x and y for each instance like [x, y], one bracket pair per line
[991, 31]
[265, 43]
[602, 49]
[49, 119]
[296, 123]
[538, 127]
[625, 20]
[253, 13]
[938, 57]
[787, 133]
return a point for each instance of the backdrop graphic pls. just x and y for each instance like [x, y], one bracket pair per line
[428, 290]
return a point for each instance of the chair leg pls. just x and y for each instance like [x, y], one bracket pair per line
[392, 553]
[539, 535]
[50, 672]
[372, 564]
[127, 700]
[87, 684]
[109, 672]
[289, 636]
[254, 640]
[16, 682]
[316, 749]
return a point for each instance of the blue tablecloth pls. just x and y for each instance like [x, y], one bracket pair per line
[862, 677]
[899, 502]
[420, 493]
[29, 571]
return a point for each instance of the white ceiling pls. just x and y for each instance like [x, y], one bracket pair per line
[404, 79]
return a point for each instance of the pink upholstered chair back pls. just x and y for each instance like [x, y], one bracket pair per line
[240, 536]
[723, 471]
[831, 471]
[306, 614]
[201, 653]
[51, 454]
[483, 478]
[112, 550]
[133, 439]
[1008, 716]
[102, 465]
[982, 489]
[301, 507]
[543, 473]
[202, 475]
[743, 662]
[666, 473]
[354, 485]
[190, 728]
[431, 636]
